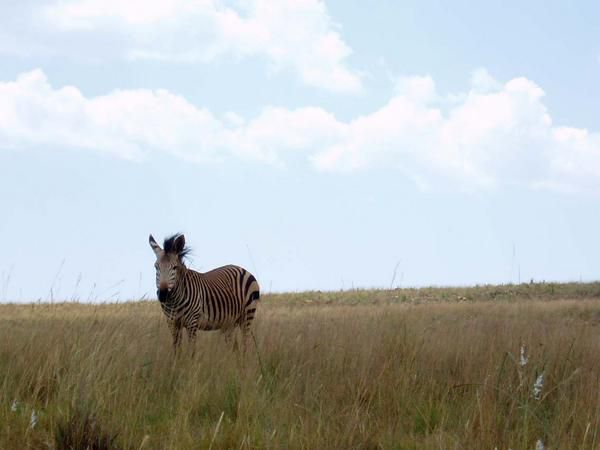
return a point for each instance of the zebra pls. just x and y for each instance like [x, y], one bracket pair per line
[221, 299]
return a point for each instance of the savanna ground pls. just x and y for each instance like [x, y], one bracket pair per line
[399, 369]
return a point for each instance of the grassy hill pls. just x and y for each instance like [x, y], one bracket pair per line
[479, 367]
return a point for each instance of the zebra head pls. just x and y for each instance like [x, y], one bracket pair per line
[169, 264]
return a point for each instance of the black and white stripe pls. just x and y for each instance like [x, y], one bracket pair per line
[220, 299]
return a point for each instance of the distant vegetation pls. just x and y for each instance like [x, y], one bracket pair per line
[495, 366]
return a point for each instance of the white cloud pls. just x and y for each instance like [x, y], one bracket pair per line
[127, 124]
[416, 88]
[496, 134]
[277, 132]
[493, 134]
[292, 35]
[482, 81]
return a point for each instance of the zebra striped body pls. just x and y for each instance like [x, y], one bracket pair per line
[221, 299]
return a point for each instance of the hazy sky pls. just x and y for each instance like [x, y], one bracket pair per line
[319, 144]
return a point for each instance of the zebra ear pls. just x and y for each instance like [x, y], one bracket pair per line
[154, 245]
[179, 244]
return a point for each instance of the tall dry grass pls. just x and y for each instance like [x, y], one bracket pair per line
[354, 370]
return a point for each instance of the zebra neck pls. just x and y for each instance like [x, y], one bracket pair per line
[172, 307]
[179, 291]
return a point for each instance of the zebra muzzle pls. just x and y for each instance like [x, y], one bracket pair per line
[163, 294]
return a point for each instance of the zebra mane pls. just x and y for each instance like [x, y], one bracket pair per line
[173, 244]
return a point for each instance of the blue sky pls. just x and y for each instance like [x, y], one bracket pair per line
[318, 144]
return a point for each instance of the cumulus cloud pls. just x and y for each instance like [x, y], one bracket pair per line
[128, 124]
[293, 35]
[491, 135]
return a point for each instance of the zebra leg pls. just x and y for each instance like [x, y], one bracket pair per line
[229, 337]
[248, 316]
[245, 330]
[191, 332]
[175, 328]
[245, 323]
[192, 329]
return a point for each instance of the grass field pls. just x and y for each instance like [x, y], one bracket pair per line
[400, 369]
